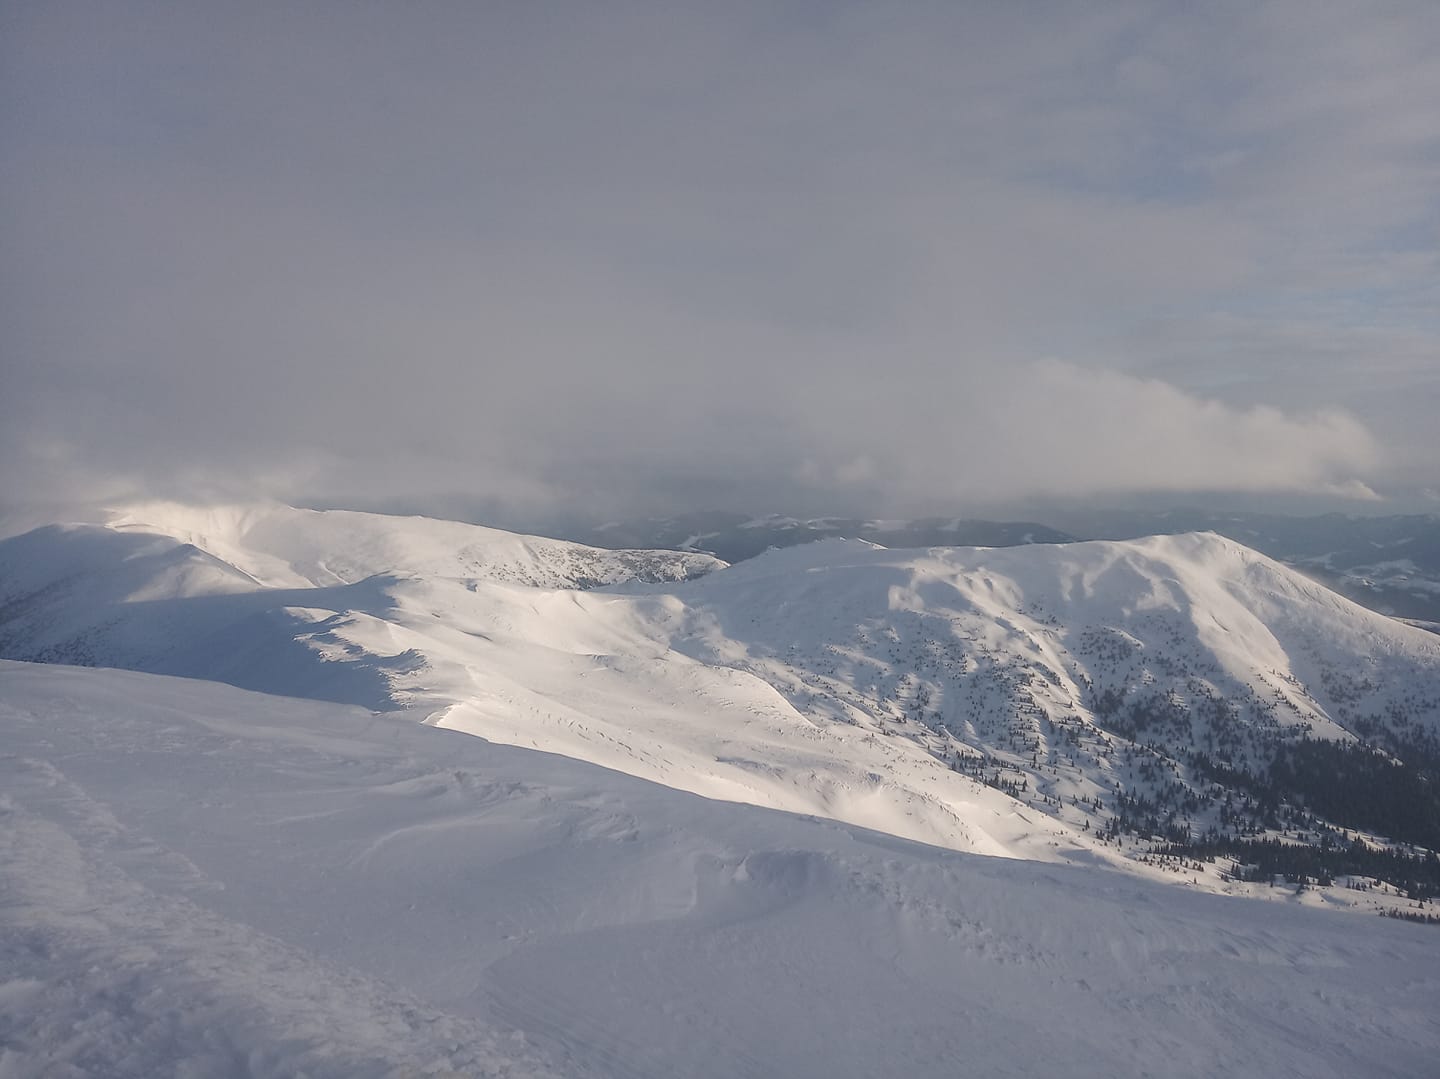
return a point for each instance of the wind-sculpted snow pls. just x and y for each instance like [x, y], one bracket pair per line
[1064, 703]
[202, 881]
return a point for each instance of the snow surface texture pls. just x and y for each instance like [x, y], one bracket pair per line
[200, 881]
[837, 679]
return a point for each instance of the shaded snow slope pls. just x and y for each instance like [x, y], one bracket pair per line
[202, 881]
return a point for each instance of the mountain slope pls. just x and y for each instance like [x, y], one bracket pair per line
[1079, 702]
[1087, 674]
[201, 881]
[588, 674]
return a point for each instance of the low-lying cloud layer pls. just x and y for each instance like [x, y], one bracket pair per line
[608, 259]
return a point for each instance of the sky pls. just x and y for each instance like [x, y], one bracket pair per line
[532, 259]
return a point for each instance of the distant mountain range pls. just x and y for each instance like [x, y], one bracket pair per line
[735, 537]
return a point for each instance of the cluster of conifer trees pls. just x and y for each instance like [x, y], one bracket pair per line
[1416, 875]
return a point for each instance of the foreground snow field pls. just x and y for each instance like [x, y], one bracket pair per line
[207, 882]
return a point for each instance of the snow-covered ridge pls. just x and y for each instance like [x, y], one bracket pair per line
[291, 548]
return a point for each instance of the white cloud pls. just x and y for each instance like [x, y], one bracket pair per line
[1008, 431]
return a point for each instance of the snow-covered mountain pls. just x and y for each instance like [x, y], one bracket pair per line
[205, 882]
[1083, 702]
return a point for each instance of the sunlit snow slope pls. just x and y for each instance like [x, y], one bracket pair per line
[201, 881]
[909, 691]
